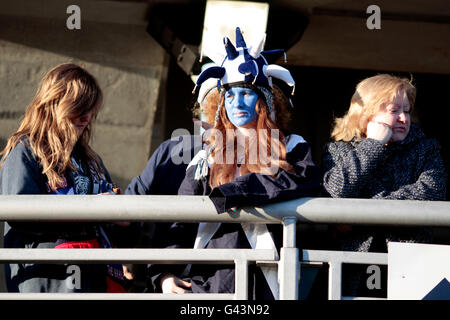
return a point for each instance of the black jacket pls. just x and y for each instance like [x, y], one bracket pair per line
[21, 174]
[411, 169]
[247, 190]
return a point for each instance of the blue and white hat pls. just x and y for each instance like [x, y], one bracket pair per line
[247, 67]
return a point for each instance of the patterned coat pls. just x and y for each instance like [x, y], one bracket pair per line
[411, 169]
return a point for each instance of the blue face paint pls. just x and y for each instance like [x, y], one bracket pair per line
[240, 104]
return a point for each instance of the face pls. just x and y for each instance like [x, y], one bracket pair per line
[396, 115]
[82, 122]
[240, 104]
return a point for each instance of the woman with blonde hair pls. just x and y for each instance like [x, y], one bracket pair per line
[50, 154]
[378, 153]
[247, 161]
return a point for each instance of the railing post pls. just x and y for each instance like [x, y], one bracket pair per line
[241, 280]
[289, 266]
[335, 280]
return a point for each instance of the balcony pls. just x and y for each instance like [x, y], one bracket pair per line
[290, 215]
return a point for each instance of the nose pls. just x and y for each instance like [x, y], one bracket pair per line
[402, 117]
[238, 101]
[85, 118]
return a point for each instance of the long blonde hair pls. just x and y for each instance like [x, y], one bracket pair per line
[65, 93]
[371, 96]
[222, 173]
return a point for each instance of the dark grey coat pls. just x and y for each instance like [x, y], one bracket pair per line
[411, 169]
[21, 174]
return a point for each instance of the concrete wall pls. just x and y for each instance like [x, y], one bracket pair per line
[114, 46]
[128, 63]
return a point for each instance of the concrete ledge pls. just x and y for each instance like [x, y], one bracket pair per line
[129, 13]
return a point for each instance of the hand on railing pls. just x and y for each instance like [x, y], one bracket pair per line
[172, 284]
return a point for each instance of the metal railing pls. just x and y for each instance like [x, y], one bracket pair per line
[335, 260]
[201, 209]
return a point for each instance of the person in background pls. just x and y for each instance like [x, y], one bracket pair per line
[251, 113]
[163, 174]
[166, 168]
[379, 154]
[50, 154]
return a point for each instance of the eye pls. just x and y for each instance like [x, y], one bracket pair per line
[228, 95]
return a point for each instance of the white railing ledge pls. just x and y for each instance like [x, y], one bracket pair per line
[200, 208]
[159, 256]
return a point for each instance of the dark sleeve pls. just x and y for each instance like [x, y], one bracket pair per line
[348, 169]
[105, 171]
[20, 173]
[431, 183]
[256, 189]
[192, 187]
[142, 183]
[165, 169]
[178, 235]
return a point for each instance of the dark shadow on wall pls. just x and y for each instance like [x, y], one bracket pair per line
[2, 143]
[106, 43]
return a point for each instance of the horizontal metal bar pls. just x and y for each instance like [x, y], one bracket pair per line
[200, 208]
[160, 256]
[116, 296]
[344, 257]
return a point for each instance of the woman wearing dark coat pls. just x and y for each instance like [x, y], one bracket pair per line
[247, 103]
[50, 154]
[379, 154]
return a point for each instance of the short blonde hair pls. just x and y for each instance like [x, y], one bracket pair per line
[371, 96]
